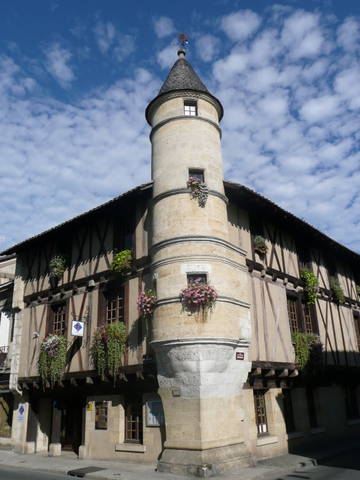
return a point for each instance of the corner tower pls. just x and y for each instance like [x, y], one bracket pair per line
[202, 360]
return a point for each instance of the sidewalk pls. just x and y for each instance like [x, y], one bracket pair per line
[105, 470]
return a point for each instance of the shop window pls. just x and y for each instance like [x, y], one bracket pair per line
[190, 108]
[101, 415]
[351, 405]
[58, 319]
[198, 174]
[288, 411]
[133, 419]
[115, 305]
[260, 412]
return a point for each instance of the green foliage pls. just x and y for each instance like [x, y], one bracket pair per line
[311, 285]
[308, 349]
[121, 262]
[58, 265]
[107, 348]
[52, 358]
[358, 289]
[336, 290]
[260, 245]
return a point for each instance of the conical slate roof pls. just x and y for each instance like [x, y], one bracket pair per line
[182, 77]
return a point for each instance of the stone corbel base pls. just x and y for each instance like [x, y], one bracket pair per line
[205, 463]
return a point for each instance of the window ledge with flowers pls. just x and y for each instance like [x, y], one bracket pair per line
[198, 298]
[146, 303]
[107, 348]
[52, 359]
[198, 189]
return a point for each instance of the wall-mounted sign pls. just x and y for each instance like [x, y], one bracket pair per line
[240, 355]
[155, 413]
[148, 357]
[77, 328]
[21, 413]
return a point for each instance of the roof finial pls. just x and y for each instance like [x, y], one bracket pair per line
[183, 39]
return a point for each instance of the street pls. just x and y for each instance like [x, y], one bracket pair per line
[11, 473]
[345, 466]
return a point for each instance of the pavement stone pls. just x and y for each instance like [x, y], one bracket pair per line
[281, 465]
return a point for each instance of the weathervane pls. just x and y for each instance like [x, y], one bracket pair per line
[183, 40]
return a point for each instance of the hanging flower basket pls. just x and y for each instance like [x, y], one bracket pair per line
[199, 190]
[308, 349]
[58, 265]
[146, 303]
[260, 245]
[198, 297]
[311, 285]
[336, 290]
[52, 358]
[122, 262]
[107, 348]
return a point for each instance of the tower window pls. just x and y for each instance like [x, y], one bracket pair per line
[190, 108]
[198, 174]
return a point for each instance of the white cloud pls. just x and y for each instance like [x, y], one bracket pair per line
[319, 109]
[349, 34]
[207, 47]
[63, 159]
[105, 35]
[167, 57]
[163, 27]
[240, 25]
[56, 63]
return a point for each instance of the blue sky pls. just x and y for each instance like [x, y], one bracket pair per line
[76, 77]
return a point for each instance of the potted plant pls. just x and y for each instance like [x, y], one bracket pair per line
[260, 245]
[311, 285]
[336, 290]
[52, 358]
[107, 348]
[199, 190]
[122, 262]
[58, 265]
[146, 303]
[308, 350]
[198, 297]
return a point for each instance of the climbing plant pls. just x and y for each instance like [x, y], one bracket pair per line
[122, 262]
[308, 350]
[107, 348]
[260, 245]
[311, 285]
[52, 359]
[336, 290]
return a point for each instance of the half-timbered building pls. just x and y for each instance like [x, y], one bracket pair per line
[196, 393]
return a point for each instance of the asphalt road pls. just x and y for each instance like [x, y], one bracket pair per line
[10, 473]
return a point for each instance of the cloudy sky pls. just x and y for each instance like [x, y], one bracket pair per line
[76, 77]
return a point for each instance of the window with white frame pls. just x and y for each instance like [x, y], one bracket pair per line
[190, 108]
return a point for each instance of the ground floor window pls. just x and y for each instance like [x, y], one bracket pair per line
[260, 412]
[101, 415]
[133, 419]
[351, 405]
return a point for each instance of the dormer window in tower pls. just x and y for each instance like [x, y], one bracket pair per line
[190, 108]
